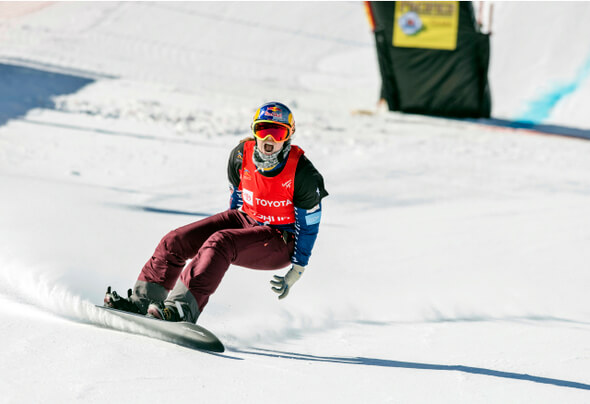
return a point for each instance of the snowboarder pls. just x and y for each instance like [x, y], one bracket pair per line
[273, 221]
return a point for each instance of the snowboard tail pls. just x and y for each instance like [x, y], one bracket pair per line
[181, 333]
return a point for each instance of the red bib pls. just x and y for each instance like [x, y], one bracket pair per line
[269, 199]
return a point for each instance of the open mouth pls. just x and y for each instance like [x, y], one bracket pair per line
[268, 148]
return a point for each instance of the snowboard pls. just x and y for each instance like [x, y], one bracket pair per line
[182, 333]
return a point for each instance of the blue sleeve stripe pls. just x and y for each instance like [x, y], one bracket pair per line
[313, 218]
[307, 226]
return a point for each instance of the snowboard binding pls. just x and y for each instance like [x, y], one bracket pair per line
[114, 301]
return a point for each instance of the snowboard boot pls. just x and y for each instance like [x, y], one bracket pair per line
[166, 311]
[114, 301]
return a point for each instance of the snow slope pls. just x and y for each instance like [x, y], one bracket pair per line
[452, 261]
[548, 41]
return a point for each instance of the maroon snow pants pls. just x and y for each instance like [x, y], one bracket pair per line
[213, 243]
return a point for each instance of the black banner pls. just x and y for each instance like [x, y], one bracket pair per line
[450, 83]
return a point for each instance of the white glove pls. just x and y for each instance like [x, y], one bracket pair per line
[282, 284]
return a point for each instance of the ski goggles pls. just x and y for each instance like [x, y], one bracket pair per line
[277, 131]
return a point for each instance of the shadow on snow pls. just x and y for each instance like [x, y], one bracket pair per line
[152, 209]
[24, 88]
[414, 365]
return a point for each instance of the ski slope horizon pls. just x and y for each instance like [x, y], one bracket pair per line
[452, 260]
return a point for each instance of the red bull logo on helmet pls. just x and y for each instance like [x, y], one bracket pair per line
[274, 112]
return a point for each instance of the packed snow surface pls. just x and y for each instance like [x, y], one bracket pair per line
[452, 263]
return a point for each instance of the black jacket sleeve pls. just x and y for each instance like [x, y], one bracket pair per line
[234, 165]
[309, 185]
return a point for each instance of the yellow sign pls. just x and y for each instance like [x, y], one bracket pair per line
[426, 24]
